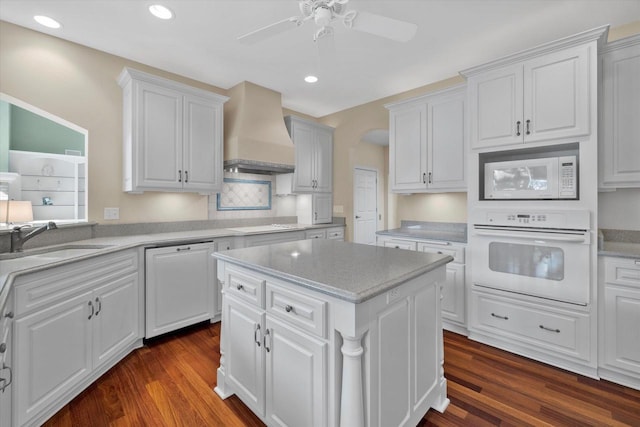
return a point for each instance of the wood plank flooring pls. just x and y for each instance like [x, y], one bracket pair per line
[170, 381]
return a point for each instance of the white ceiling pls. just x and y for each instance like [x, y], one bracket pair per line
[200, 42]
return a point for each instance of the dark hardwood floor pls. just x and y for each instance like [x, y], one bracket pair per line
[169, 382]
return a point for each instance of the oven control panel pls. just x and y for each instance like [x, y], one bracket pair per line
[578, 220]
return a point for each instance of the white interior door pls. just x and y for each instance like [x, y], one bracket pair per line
[365, 206]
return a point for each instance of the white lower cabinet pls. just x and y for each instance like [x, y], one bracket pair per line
[277, 371]
[180, 286]
[6, 363]
[453, 304]
[72, 323]
[619, 319]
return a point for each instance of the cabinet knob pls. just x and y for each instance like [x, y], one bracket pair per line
[239, 287]
[288, 308]
[3, 347]
[357, 216]
[9, 315]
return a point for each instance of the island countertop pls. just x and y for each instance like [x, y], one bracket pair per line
[348, 271]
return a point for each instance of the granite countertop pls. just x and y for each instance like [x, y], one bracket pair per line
[349, 271]
[13, 265]
[620, 249]
[440, 231]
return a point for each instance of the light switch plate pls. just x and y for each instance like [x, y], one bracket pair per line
[111, 213]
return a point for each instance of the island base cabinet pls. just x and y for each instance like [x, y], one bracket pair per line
[304, 358]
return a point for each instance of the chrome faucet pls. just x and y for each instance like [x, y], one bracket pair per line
[17, 239]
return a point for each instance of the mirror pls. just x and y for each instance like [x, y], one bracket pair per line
[43, 160]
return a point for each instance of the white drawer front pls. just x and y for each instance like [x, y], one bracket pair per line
[622, 271]
[59, 283]
[559, 331]
[335, 234]
[305, 312]
[315, 234]
[398, 244]
[245, 286]
[456, 252]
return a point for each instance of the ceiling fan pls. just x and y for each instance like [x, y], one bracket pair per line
[325, 12]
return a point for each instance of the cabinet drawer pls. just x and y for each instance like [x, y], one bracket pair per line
[398, 244]
[561, 331]
[245, 286]
[622, 271]
[302, 311]
[315, 234]
[456, 252]
[36, 290]
[335, 233]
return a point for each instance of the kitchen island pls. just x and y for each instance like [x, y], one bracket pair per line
[328, 333]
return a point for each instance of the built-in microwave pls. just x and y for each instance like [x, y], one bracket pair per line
[542, 178]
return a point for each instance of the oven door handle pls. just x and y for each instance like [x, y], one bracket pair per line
[533, 236]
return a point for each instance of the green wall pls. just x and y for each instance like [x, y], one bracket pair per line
[5, 117]
[31, 132]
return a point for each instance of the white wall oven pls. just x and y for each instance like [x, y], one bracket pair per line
[530, 174]
[539, 253]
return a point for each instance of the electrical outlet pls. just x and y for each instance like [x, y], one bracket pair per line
[111, 213]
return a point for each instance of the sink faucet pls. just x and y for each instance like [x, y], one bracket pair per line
[17, 239]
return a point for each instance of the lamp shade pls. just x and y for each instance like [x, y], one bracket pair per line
[12, 211]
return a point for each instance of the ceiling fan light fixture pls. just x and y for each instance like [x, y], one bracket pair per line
[47, 21]
[311, 79]
[160, 11]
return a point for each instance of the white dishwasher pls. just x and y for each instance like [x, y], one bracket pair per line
[180, 286]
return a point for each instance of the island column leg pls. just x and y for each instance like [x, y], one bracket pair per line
[352, 399]
[221, 384]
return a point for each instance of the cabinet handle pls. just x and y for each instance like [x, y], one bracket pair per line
[550, 329]
[499, 317]
[518, 128]
[186, 176]
[357, 217]
[188, 248]
[528, 132]
[266, 334]
[9, 315]
[316, 215]
[3, 347]
[92, 310]
[179, 175]
[256, 331]
[424, 178]
[288, 308]
[99, 304]
[7, 383]
[239, 287]
[429, 177]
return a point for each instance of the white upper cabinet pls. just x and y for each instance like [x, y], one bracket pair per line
[172, 135]
[619, 127]
[538, 95]
[314, 155]
[427, 143]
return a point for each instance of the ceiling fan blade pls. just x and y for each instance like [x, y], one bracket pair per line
[383, 26]
[270, 30]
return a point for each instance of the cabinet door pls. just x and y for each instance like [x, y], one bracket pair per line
[452, 303]
[6, 365]
[619, 159]
[115, 323]
[556, 95]
[158, 131]
[446, 142]
[179, 285]
[322, 208]
[324, 161]
[296, 377]
[202, 145]
[495, 107]
[244, 356]
[53, 354]
[303, 136]
[408, 148]
[620, 338]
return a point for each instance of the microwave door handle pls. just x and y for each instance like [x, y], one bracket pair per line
[534, 236]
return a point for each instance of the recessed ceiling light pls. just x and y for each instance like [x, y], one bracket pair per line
[46, 21]
[311, 79]
[160, 11]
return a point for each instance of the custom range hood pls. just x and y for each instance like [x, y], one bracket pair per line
[255, 137]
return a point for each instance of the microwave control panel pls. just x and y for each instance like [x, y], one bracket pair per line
[567, 171]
